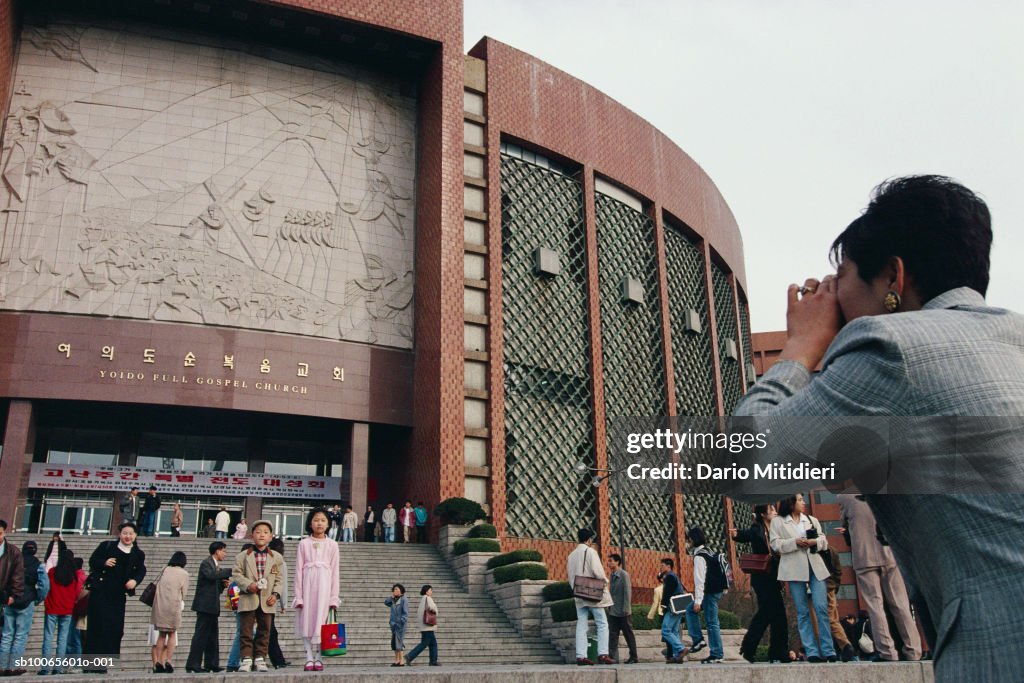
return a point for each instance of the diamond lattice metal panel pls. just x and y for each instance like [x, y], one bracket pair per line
[725, 317]
[632, 348]
[691, 351]
[548, 390]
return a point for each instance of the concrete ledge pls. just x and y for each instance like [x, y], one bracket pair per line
[521, 601]
[904, 672]
[471, 568]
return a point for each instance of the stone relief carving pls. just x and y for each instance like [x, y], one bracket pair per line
[230, 190]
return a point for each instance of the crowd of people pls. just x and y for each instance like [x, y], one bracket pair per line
[85, 610]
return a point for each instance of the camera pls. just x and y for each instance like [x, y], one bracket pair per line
[812, 535]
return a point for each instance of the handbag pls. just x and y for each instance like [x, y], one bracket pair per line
[332, 636]
[149, 595]
[588, 588]
[430, 617]
[866, 644]
[755, 563]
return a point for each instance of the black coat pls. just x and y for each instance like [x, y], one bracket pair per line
[109, 581]
[209, 586]
[671, 586]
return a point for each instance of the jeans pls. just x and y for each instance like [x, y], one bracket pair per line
[819, 598]
[62, 623]
[600, 620]
[427, 639]
[222, 534]
[389, 534]
[709, 605]
[17, 624]
[148, 522]
[346, 535]
[235, 655]
[670, 632]
[74, 641]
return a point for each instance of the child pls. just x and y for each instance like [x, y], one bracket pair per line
[398, 618]
[427, 637]
[258, 573]
[316, 584]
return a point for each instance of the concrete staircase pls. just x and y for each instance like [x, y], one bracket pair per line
[472, 630]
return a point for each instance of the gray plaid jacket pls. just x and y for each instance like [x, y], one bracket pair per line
[962, 555]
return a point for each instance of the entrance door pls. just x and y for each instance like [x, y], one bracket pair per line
[289, 520]
[71, 516]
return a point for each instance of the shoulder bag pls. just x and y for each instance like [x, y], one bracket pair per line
[587, 587]
[429, 617]
[149, 595]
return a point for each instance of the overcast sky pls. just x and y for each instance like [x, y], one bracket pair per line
[796, 109]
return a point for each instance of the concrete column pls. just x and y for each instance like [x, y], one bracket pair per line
[358, 469]
[253, 509]
[18, 445]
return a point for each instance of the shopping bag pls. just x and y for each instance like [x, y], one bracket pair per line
[332, 637]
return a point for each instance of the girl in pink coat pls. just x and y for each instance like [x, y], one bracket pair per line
[316, 585]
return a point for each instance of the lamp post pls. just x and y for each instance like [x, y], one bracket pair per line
[600, 475]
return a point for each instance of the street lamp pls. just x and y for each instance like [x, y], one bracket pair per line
[600, 475]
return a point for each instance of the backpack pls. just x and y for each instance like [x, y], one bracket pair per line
[718, 574]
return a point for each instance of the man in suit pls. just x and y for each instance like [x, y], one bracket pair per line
[206, 604]
[620, 614]
[131, 506]
[879, 581]
[903, 330]
[259, 573]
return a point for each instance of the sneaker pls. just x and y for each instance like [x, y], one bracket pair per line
[261, 666]
[245, 666]
[711, 660]
[698, 646]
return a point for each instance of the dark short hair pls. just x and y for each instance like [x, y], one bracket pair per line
[668, 561]
[697, 536]
[217, 545]
[276, 544]
[152, 487]
[616, 557]
[426, 587]
[178, 559]
[941, 230]
[121, 527]
[29, 548]
[3, 524]
[584, 535]
[400, 587]
[312, 513]
[786, 506]
[348, 507]
[134, 488]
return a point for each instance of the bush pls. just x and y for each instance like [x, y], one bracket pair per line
[520, 572]
[459, 511]
[557, 591]
[563, 610]
[640, 620]
[513, 557]
[475, 545]
[483, 531]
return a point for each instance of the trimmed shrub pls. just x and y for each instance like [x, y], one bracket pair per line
[640, 620]
[460, 511]
[520, 572]
[557, 591]
[475, 545]
[563, 610]
[513, 557]
[483, 531]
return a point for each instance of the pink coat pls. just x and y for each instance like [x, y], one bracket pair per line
[316, 585]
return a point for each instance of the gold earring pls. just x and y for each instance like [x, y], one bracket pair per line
[891, 301]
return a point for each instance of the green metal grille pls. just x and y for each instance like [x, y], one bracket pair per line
[548, 391]
[632, 354]
[691, 352]
[725, 317]
[748, 352]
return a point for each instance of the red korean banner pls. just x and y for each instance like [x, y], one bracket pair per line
[177, 482]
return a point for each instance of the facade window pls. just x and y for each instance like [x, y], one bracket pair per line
[81, 447]
[517, 152]
[193, 453]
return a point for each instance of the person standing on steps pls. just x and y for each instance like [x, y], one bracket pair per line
[388, 518]
[222, 523]
[258, 573]
[585, 562]
[316, 585]
[620, 614]
[177, 519]
[398, 617]
[150, 505]
[771, 609]
[369, 525]
[349, 524]
[421, 522]
[407, 518]
[165, 618]
[204, 652]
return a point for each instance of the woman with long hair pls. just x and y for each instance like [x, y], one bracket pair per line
[65, 585]
[165, 619]
[771, 610]
[798, 540]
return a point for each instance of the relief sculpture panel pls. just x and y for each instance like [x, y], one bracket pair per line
[169, 176]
